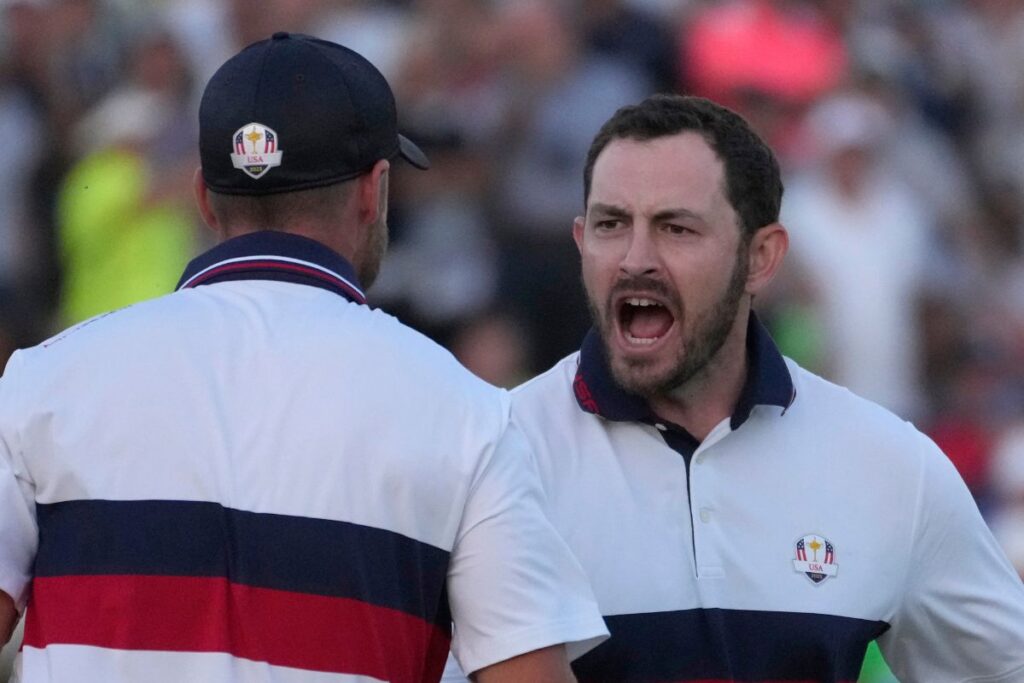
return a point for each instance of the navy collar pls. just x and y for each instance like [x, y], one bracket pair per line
[279, 256]
[768, 381]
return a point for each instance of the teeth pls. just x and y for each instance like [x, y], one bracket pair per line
[640, 340]
[636, 301]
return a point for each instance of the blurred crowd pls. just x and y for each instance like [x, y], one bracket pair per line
[899, 125]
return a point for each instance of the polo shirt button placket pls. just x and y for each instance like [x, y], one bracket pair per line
[708, 565]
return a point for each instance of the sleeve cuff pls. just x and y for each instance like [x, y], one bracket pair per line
[579, 635]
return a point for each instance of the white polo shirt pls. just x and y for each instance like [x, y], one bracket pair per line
[260, 478]
[808, 524]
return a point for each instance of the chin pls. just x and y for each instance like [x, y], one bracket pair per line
[645, 378]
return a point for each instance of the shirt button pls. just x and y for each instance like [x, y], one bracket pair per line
[660, 427]
[705, 515]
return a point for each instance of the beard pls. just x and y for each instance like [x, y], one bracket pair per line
[710, 331]
[367, 262]
[372, 255]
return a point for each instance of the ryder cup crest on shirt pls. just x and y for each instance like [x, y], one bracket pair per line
[256, 150]
[816, 558]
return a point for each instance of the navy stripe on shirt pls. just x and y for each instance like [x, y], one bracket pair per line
[203, 539]
[729, 645]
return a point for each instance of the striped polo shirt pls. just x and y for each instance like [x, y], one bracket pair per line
[807, 524]
[259, 478]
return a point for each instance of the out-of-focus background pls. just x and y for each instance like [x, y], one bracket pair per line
[899, 125]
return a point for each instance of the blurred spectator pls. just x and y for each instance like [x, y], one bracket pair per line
[92, 49]
[784, 48]
[975, 35]
[494, 348]
[1008, 482]
[26, 55]
[18, 241]
[126, 224]
[210, 31]
[377, 30]
[962, 425]
[626, 33]
[449, 74]
[864, 240]
[16, 327]
[442, 266]
[560, 95]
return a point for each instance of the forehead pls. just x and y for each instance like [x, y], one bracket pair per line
[680, 170]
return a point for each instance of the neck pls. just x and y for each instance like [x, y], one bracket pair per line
[710, 396]
[337, 240]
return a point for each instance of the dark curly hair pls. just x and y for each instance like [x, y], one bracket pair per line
[753, 183]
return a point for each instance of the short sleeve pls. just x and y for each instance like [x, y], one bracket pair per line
[962, 615]
[18, 531]
[453, 672]
[513, 584]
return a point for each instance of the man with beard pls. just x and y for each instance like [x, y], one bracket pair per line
[258, 477]
[740, 518]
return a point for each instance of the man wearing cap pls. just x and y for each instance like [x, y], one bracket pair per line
[259, 478]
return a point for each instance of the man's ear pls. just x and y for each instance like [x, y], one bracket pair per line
[768, 248]
[578, 226]
[372, 192]
[202, 194]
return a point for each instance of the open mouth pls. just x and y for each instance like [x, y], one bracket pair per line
[643, 320]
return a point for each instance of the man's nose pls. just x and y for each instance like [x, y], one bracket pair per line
[641, 258]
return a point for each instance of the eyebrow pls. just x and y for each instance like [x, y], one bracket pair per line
[667, 214]
[608, 210]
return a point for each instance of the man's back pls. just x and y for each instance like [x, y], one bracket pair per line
[248, 481]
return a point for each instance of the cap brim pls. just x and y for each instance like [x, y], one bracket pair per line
[411, 153]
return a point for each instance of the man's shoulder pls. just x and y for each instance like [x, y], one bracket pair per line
[834, 413]
[198, 327]
[549, 388]
[546, 410]
[99, 330]
[415, 356]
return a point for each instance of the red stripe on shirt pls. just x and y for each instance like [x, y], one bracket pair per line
[199, 614]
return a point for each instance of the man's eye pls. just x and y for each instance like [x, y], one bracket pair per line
[608, 224]
[677, 229]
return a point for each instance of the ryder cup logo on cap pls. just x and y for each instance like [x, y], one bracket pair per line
[255, 150]
[327, 106]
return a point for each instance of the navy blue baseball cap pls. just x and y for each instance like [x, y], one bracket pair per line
[295, 112]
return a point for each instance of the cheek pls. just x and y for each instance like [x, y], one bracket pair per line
[598, 269]
[701, 285]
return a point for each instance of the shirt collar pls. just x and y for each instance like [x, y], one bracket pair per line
[768, 381]
[279, 256]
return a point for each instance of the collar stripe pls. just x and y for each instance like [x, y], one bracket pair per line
[275, 264]
[275, 256]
